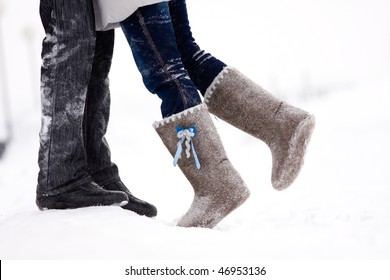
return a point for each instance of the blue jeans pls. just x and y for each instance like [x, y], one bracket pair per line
[202, 67]
[75, 99]
[150, 34]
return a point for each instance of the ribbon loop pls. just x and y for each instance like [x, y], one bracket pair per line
[186, 134]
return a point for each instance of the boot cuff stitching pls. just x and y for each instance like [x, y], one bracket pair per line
[210, 90]
[179, 115]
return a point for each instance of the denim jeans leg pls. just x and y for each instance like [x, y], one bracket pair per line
[67, 55]
[201, 66]
[97, 112]
[151, 37]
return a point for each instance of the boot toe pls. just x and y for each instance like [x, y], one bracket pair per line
[140, 207]
[288, 164]
[208, 211]
[134, 204]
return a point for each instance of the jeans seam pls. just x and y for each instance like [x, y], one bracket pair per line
[158, 56]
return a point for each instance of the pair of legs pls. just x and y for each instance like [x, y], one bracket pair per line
[156, 45]
[172, 65]
[74, 158]
[175, 68]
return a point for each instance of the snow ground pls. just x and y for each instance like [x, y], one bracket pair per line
[337, 209]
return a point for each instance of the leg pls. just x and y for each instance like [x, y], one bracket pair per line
[150, 34]
[286, 130]
[96, 117]
[236, 99]
[63, 86]
[201, 66]
[218, 187]
[97, 113]
[63, 180]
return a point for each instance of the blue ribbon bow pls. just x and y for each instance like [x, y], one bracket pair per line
[186, 134]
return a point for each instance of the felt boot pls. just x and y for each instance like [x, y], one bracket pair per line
[286, 129]
[193, 141]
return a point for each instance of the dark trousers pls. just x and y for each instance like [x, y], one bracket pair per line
[75, 98]
[202, 67]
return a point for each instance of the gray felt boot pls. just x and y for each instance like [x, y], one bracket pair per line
[284, 128]
[218, 188]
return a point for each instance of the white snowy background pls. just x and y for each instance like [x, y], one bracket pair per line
[330, 57]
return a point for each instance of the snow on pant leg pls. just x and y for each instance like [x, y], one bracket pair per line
[97, 112]
[151, 37]
[67, 54]
[202, 67]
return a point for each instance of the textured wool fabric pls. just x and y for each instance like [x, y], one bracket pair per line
[218, 188]
[286, 129]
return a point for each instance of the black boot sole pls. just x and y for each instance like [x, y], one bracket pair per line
[48, 204]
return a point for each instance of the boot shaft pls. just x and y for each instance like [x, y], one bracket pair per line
[205, 129]
[235, 98]
[207, 144]
[218, 187]
[286, 129]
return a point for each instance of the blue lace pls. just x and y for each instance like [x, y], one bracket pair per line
[186, 134]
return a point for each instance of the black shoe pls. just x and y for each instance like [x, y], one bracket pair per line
[137, 205]
[89, 194]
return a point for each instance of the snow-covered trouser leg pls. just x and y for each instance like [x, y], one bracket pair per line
[97, 112]
[96, 117]
[67, 55]
[286, 129]
[218, 187]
